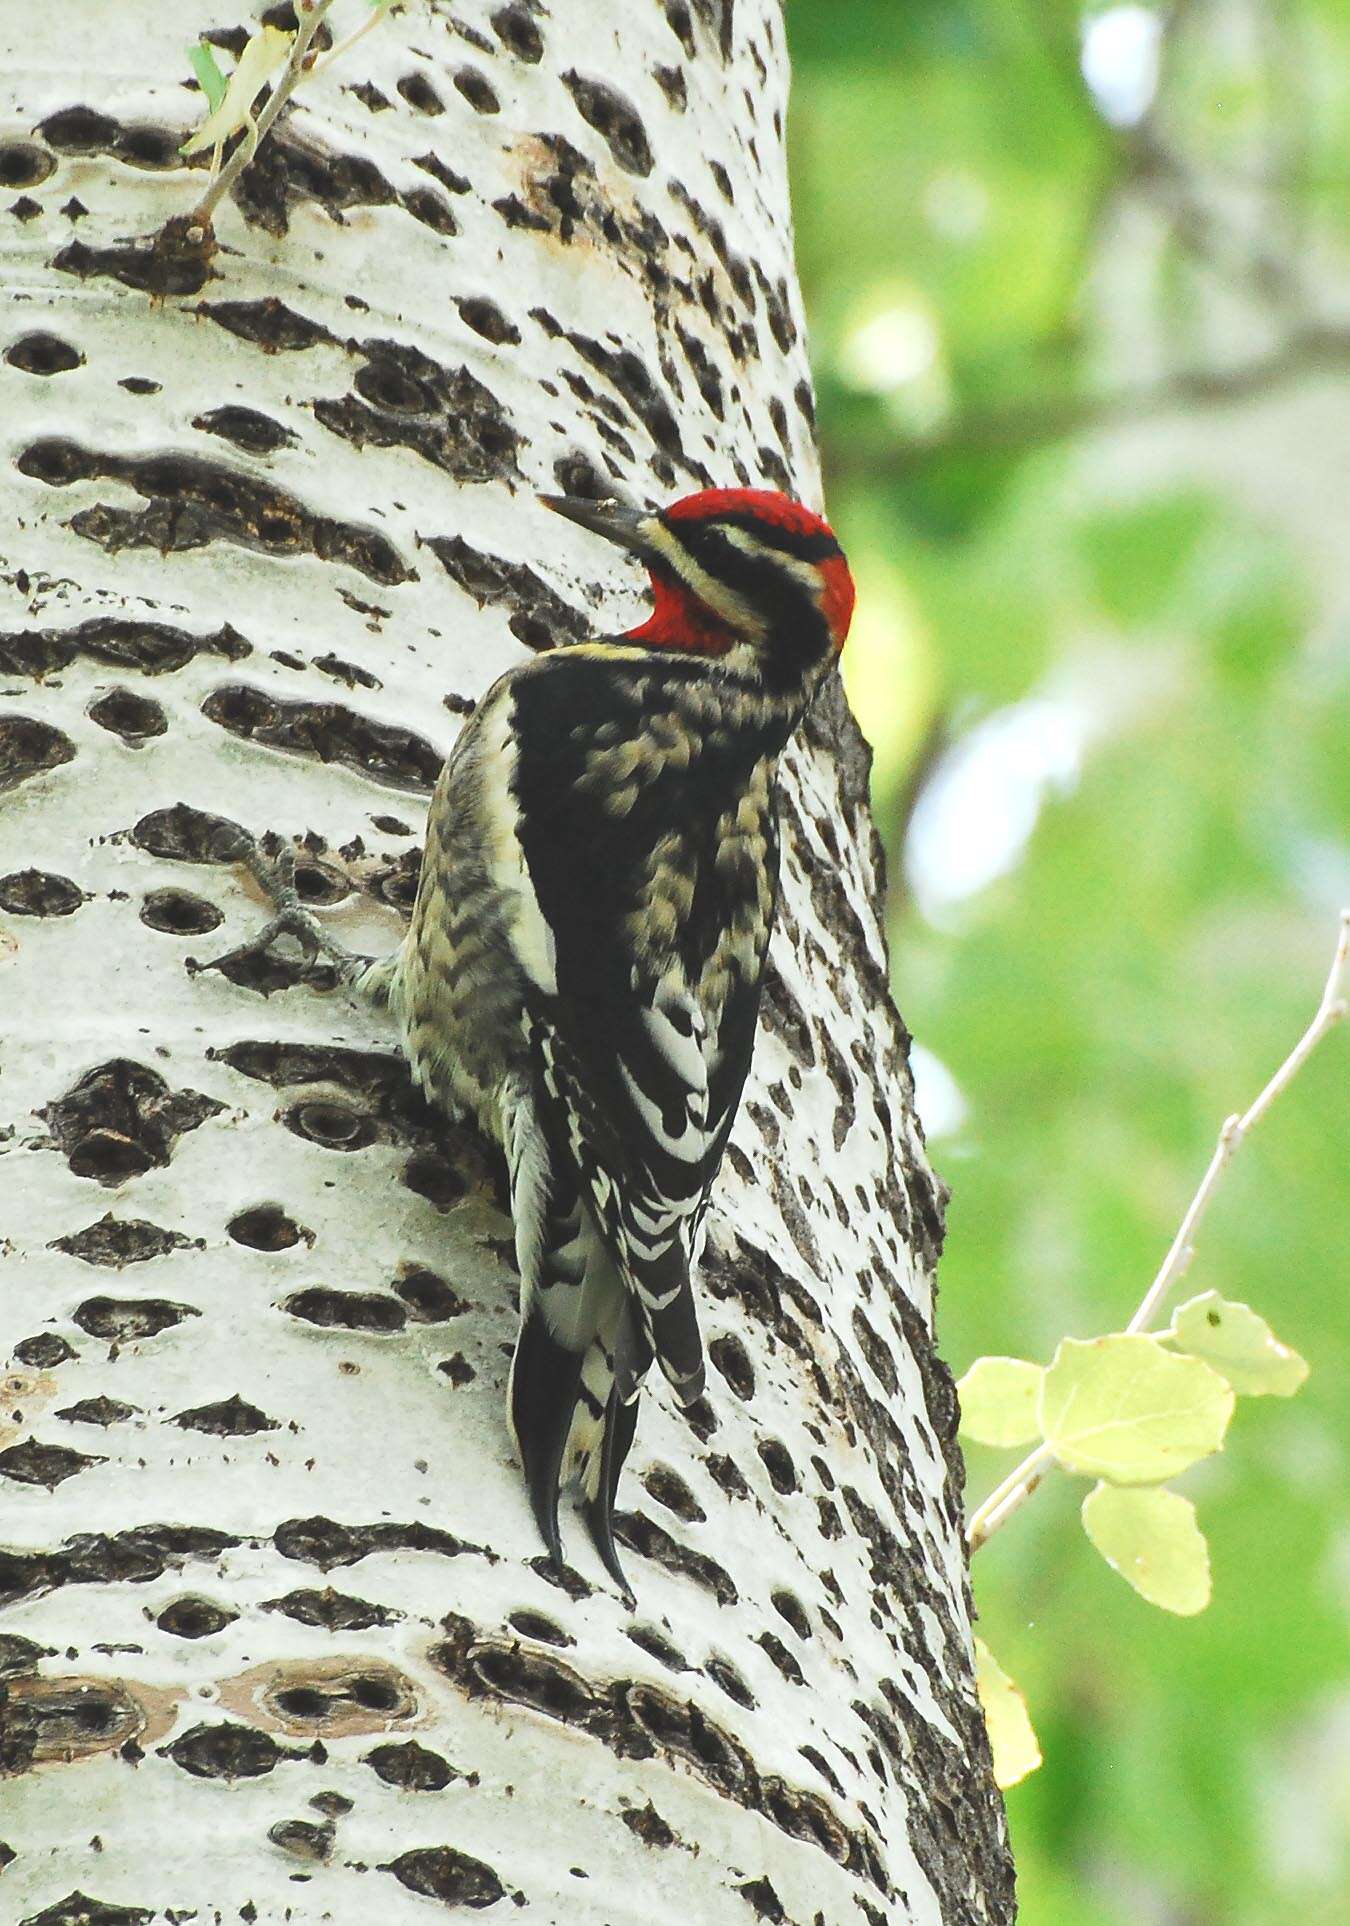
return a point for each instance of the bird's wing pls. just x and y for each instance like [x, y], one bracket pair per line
[639, 1160]
[652, 878]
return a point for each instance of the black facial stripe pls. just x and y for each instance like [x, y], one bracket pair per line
[817, 546]
[757, 578]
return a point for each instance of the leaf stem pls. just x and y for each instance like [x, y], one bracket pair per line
[1017, 1487]
[1008, 1497]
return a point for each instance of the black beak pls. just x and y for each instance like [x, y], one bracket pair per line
[624, 526]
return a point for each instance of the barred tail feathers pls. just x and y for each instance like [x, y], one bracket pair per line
[562, 1294]
[665, 1300]
[589, 1333]
[569, 1425]
[541, 1401]
[614, 1372]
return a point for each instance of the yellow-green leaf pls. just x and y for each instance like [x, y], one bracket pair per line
[1012, 1738]
[1125, 1409]
[1151, 1538]
[998, 1401]
[209, 77]
[264, 53]
[1240, 1345]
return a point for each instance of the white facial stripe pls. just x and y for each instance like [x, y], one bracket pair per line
[714, 594]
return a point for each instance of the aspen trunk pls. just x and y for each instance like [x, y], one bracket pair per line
[278, 1641]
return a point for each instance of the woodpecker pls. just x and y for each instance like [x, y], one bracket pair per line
[582, 971]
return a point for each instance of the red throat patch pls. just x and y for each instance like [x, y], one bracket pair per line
[680, 621]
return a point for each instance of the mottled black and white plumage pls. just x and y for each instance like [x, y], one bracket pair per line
[582, 971]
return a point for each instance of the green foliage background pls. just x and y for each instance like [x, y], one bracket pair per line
[1034, 507]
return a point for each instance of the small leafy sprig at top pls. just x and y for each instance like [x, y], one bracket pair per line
[1133, 1409]
[271, 57]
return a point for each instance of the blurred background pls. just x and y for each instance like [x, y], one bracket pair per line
[1080, 298]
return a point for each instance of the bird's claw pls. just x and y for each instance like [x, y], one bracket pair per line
[274, 872]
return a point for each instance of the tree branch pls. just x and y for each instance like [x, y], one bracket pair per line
[1204, 229]
[1018, 1486]
[1027, 425]
[1147, 163]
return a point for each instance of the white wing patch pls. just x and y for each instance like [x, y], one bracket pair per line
[692, 1140]
[677, 1030]
[532, 939]
[527, 1160]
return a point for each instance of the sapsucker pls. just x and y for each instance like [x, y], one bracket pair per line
[582, 971]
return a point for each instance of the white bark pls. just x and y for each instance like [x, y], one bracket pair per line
[292, 1651]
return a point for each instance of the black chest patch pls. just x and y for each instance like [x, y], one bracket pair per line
[617, 776]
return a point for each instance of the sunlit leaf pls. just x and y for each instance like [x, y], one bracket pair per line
[1012, 1737]
[1240, 1345]
[998, 1401]
[1150, 1537]
[264, 53]
[1125, 1409]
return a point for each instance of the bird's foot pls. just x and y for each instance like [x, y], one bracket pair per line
[272, 866]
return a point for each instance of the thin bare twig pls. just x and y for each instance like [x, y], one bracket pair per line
[1178, 1260]
[372, 19]
[1017, 1487]
[1008, 1497]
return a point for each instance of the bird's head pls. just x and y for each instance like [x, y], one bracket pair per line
[741, 573]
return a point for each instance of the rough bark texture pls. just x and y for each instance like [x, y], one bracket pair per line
[278, 1642]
